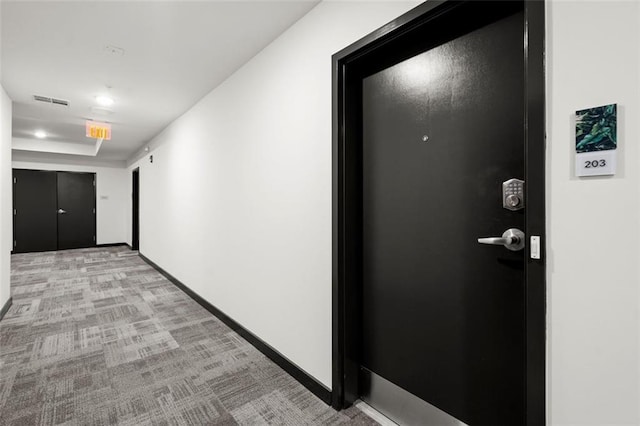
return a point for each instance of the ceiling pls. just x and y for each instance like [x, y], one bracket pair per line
[173, 53]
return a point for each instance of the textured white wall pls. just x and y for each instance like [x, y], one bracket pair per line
[6, 199]
[56, 147]
[112, 212]
[593, 51]
[237, 203]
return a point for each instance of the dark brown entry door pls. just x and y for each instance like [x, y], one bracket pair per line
[53, 210]
[443, 316]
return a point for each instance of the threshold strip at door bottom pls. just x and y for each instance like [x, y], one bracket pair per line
[399, 405]
[374, 414]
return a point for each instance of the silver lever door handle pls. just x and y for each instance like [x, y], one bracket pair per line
[496, 241]
[60, 211]
[512, 239]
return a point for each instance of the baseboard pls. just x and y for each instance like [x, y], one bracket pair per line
[76, 248]
[113, 245]
[317, 388]
[6, 307]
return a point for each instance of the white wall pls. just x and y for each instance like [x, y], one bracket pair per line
[237, 203]
[113, 195]
[57, 147]
[6, 200]
[593, 51]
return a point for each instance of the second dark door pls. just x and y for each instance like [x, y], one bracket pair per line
[76, 210]
[135, 195]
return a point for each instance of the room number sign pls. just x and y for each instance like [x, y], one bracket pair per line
[596, 163]
[596, 141]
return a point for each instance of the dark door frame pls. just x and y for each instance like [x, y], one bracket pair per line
[348, 67]
[95, 206]
[135, 209]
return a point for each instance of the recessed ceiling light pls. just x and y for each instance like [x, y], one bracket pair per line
[104, 100]
[40, 134]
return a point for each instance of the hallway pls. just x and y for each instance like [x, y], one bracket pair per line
[98, 337]
[270, 210]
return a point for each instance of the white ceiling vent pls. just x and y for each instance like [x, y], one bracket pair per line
[49, 100]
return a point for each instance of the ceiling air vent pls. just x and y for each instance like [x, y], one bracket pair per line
[49, 100]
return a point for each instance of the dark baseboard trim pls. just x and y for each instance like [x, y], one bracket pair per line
[6, 307]
[317, 388]
[112, 245]
[75, 248]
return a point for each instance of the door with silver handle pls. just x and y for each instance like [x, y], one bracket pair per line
[512, 239]
[61, 211]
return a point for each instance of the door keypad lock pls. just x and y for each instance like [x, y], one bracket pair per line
[513, 194]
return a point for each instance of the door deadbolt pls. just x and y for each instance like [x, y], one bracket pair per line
[513, 194]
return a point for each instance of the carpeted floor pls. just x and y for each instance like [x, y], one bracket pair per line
[98, 337]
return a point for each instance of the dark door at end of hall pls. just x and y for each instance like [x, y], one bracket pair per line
[53, 210]
[35, 221]
[76, 210]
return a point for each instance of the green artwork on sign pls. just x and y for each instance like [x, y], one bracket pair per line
[596, 129]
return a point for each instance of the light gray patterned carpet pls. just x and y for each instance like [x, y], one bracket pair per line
[98, 337]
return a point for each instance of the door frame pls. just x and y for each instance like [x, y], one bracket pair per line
[347, 196]
[135, 209]
[95, 205]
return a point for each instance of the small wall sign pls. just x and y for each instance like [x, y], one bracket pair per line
[98, 130]
[596, 141]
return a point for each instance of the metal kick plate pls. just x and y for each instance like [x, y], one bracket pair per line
[513, 194]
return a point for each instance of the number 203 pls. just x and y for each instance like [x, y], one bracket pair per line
[594, 163]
